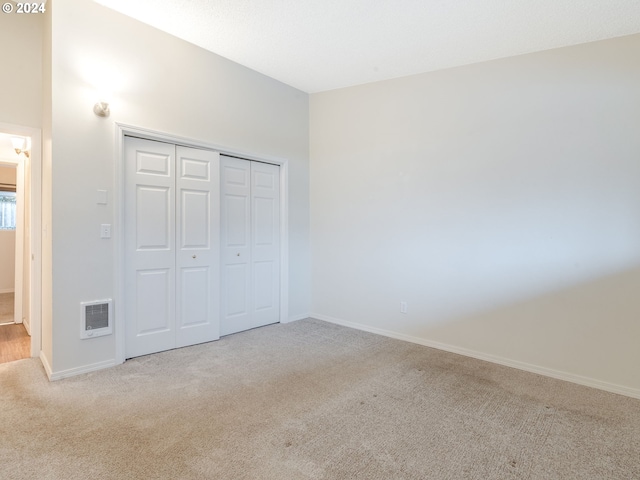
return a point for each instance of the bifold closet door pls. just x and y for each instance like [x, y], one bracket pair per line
[198, 246]
[250, 250]
[171, 246]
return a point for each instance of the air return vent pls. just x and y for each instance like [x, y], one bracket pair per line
[96, 318]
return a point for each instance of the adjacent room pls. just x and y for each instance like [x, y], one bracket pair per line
[15, 340]
[320, 239]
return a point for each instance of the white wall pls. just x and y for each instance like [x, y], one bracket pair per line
[7, 240]
[164, 84]
[7, 174]
[47, 261]
[7, 260]
[499, 200]
[20, 82]
[21, 97]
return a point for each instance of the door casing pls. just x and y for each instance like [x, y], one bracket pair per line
[123, 130]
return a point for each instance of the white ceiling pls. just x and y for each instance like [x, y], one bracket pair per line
[318, 45]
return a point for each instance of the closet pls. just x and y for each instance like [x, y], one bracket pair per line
[171, 241]
[250, 244]
[202, 245]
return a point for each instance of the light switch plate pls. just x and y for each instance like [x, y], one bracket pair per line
[102, 197]
[105, 230]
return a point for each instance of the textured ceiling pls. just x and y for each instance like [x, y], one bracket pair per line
[318, 45]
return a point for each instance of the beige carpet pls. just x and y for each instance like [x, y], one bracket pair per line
[311, 400]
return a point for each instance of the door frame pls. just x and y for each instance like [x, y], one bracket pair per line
[36, 228]
[123, 130]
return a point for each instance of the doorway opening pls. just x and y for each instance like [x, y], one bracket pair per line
[20, 210]
[14, 336]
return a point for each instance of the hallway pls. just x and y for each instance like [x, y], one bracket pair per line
[6, 308]
[14, 341]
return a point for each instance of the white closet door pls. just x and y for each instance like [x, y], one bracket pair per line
[265, 234]
[171, 246]
[235, 223]
[250, 227]
[150, 256]
[198, 246]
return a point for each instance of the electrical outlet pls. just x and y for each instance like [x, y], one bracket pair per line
[403, 307]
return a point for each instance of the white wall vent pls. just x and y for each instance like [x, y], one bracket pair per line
[96, 318]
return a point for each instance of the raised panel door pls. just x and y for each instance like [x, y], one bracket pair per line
[236, 295]
[198, 246]
[265, 229]
[149, 246]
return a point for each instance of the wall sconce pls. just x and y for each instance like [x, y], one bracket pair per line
[101, 109]
[19, 146]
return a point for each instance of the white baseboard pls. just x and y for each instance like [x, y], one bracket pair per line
[45, 364]
[27, 325]
[72, 372]
[298, 317]
[548, 372]
[7, 290]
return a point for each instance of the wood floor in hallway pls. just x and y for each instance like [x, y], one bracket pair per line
[15, 343]
[6, 307]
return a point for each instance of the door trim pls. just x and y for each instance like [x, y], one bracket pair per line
[123, 130]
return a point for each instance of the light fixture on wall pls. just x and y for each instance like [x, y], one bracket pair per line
[20, 146]
[101, 109]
